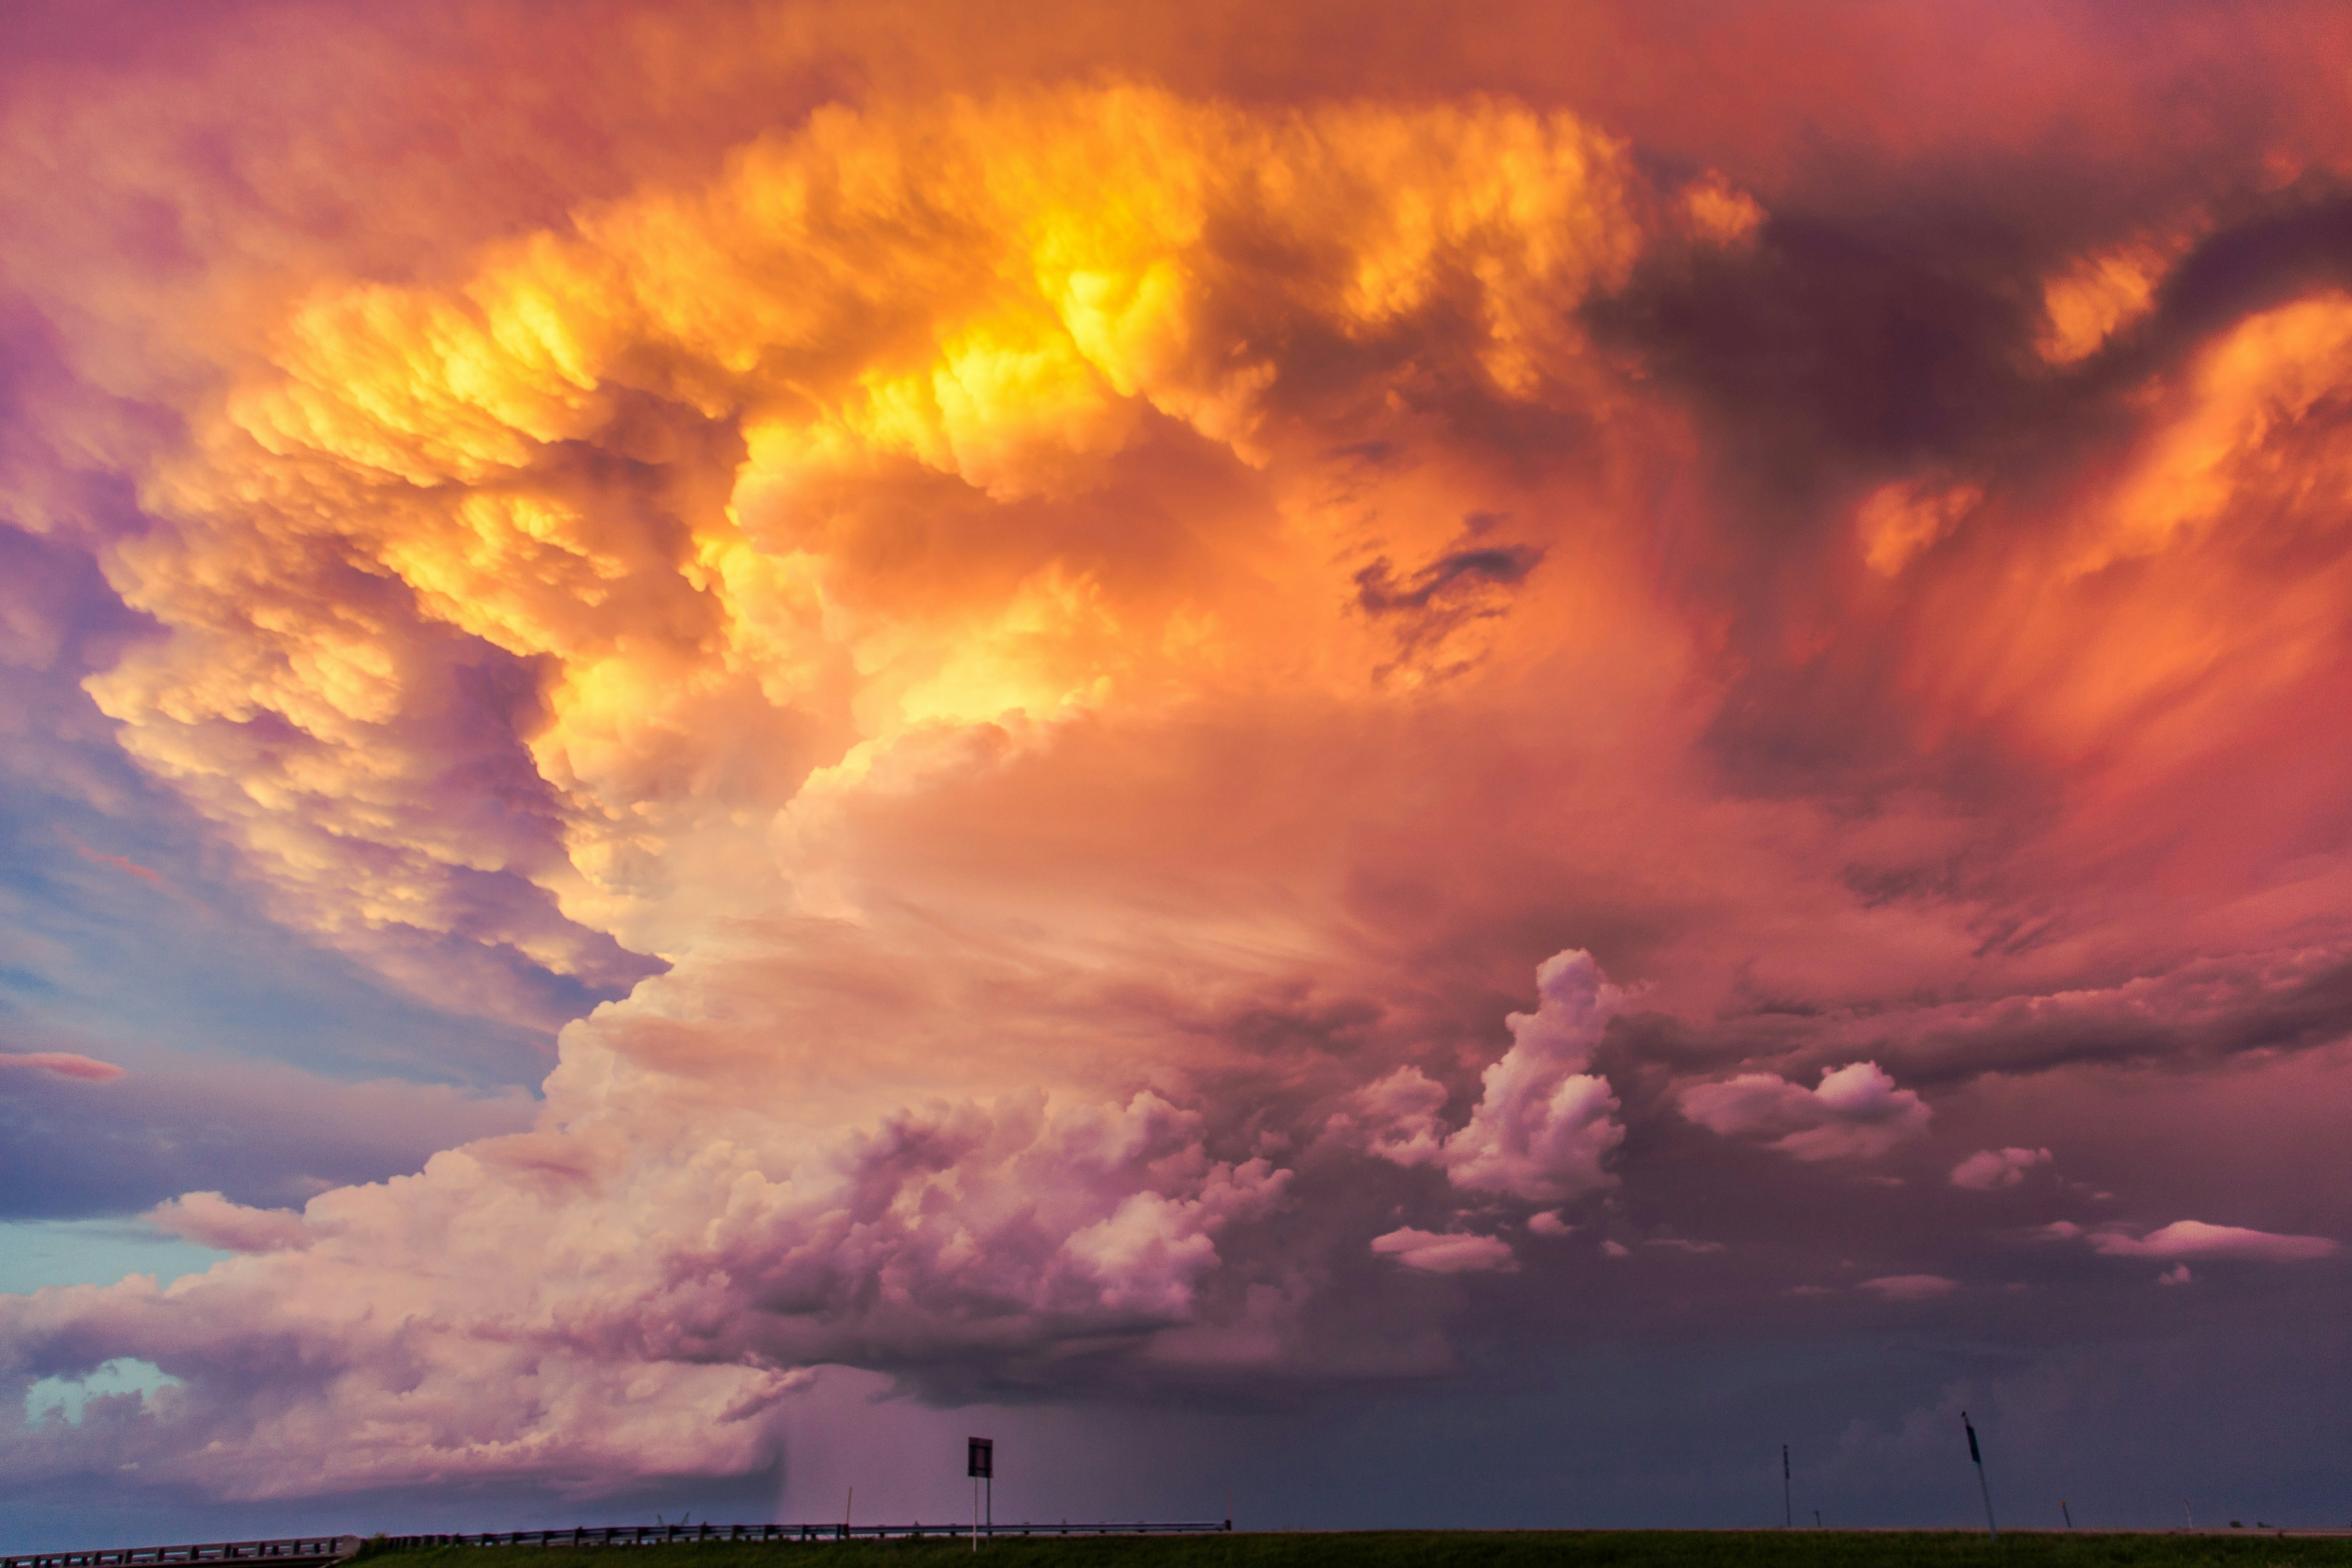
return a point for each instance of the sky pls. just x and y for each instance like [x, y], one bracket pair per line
[1436, 767]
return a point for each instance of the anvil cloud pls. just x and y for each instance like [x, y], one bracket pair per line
[1184, 719]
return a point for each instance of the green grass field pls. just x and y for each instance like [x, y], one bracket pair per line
[1458, 1549]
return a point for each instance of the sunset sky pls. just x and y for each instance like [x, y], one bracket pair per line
[1429, 764]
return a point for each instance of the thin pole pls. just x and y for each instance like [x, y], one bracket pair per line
[975, 1515]
[1974, 1454]
[1788, 1508]
[2067, 1511]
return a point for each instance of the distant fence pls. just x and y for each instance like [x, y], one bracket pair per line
[302, 1552]
[669, 1534]
[312, 1552]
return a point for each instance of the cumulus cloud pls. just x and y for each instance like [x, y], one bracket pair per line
[1856, 1112]
[1543, 1126]
[1450, 1253]
[2187, 1238]
[1989, 1168]
[636, 1292]
[1399, 1117]
[1910, 1287]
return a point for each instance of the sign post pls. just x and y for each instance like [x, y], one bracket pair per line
[980, 1464]
[1788, 1506]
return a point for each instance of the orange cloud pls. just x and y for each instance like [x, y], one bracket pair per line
[133, 867]
[1052, 646]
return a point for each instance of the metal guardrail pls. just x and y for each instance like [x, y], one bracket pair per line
[669, 1534]
[297, 1552]
[314, 1550]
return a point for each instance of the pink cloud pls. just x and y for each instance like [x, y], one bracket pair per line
[1856, 1112]
[119, 863]
[1989, 1168]
[2187, 1238]
[211, 1220]
[1453, 1253]
[1543, 1127]
[61, 1064]
[700, 1274]
[1910, 1287]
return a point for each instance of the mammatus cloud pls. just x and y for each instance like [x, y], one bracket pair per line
[1856, 1112]
[1989, 1168]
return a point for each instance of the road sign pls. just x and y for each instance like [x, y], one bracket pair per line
[982, 1452]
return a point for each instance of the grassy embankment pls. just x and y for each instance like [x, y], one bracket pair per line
[1459, 1549]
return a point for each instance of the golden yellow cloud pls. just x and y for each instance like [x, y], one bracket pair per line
[750, 477]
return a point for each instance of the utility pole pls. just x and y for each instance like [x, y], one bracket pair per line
[1788, 1506]
[1977, 1457]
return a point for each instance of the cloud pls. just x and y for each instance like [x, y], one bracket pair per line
[60, 1063]
[2187, 1238]
[120, 863]
[691, 1285]
[209, 1219]
[1022, 670]
[1910, 1287]
[271, 1136]
[1856, 1112]
[1542, 1127]
[1455, 1253]
[1399, 1116]
[1989, 1168]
